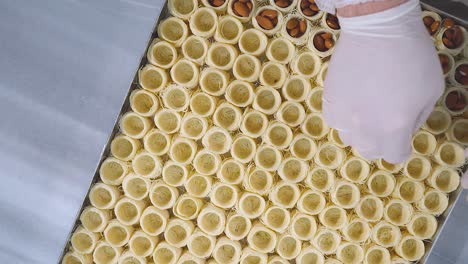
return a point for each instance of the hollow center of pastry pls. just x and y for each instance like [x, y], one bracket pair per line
[237, 226]
[201, 104]
[193, 127]
[411, 249]
[240, 93]
[101, 197]
[204, 21]
[121, 147]
[187, 208]
[346, 195]
[409, 191]
[320, 179]
[312, 202]
[183, 72]
[127, 211]
[151, 79]
[278, 135]
[133, 125]
[286, 195]
[250, 41]
[295, 89]
[152, 223]
[246, 67]
[376, 256]
[197, 185]
[91, 220]
[70, 259]
[137, 188]
[229, 30]
[388, 166]
[380, 184]
[161, 195]
[357, 231]
[460, 132]
[397, 213]
[293, 169]
[144, 164]
[224, 195]
[328, 155]
[350, 254]
[432, 201]
[334, 217]
[216, 141]
[369, 208]
[225, 253]
[82, 241]
[315, 100]
[176, 98]
[303, 227]
[116, 235]
[306, 64]
[231, 172]
[450, 155]
[446, 179]
[112, 170]
[164, 255]
[142, 103]
[386, 235]
[258, 180]
[302, 148]
[421, 143]
[327, 242]
[163, 54]
[210, 222]
[130, 260]
[267, 158]
[174, 174]
[194, 49]
[243, 148]
[280, 50]
[262, 239]
[252, 260]
[226, 117]
[276, 218]
[176, 234]
[272, 74]
[206, 163]
[438, 121]
[220, 56]
[141, 245]
[252, 204]
[354, 170]
[288, 246]
[184, 7]
[105, 254]
[167, 121]
[266, 99]
[291, 114]
[201, 245]
[415, 168]
[310, 257]
[254, 123]
[314, 126]
[172, 30]
[213, 82]
[182, 151]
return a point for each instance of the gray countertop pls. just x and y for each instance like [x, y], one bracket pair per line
[65, 67]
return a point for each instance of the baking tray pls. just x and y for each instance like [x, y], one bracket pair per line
[164, 13]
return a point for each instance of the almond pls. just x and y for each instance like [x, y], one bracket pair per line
[241, 9]
[428, 21]
[264, 22]
[271, 14]
[302, 26]
[292, 23]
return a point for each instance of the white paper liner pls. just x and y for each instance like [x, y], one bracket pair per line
[240, 93]
[211, 220]
[417, 167]
[201, 244]
[408, 190]
[246, 68]
[203, 22]
[187, 207]
[237, 227]
[103, 196]
[94, 220]
[276, 218]
[385, 234]
[166, 254]
[320, 179]
[162, 195]
[185, 73]
[458, 132]
[267, 100]
[84, 241]
[306, 64]
[243, 149]
[377, 254]
[387, 166]
[444, 179]
[153, 221]
[258, 181]
[182, 8]
[410, 248]
[280, 50]
[198, 185]
[356, 231]
[229, 30]
[227, 116]
[345, 194]
[142, 244]
[182, 150]
[105, 253]
[134, 125]
[329, 156]
[174, 173]
[112, 171]
[350, 253]
[214, 81]
[143, 102]
[302, 226]
[261, 238]
[178, 231]
[168, 120]
[221, 56]
[147, 165]
[227, 251]
[173, 30]
[72, 257]
[423, 143]
[381, 183]
[370, 208]
[311, 202]
[314, 126]
[355, 169]
[224, 195]
[398, 212]
[285, 194]
[202, 104]
[136, 186]
[117, 234]
[438, 122]
[278, 135]
[231, 171]
[161, 54]
[217, 140]
[250, 205]
[250, 256]
[449, 154]
[433, 202]
[128, 211]
[288, 247]
[206, 162]
[268, 32]
[195, 49]
[247, 19]
[193, 126]
[310, 255]
[302, 40]
[273, 74]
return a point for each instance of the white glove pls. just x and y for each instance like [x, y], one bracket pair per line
[383, 81]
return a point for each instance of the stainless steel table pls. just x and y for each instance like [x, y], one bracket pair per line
[65, 67]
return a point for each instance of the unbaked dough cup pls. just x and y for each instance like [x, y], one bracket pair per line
[243, 149]
[320, 179]
[387, 166]
[229, 30]
[189, 258]
[166, 254]
[174, 174]
[302, 226]
[449, 154]
[444, 179]
[157, 142]
[285, 194]
[84, 241]
[198, 185]
[134, 125]
[187, 207]
[410, 248]
[185, 73]
[311, 202]
[104, 253]
[293, 170]
[398, 212]
[128, 211]
[250, 256]
[313, 18]
[433, 202]
[253, 42]
[261, 238]
[258, 181]
[112, 171]
[162, 54]
[276, 218]
[285, 10]
[306, 64]
[350, 253]
[458, 132]
[423, 143]
[268, 32]
[117, 234]
[237, 227]
[246, 68]
[314, 100]
[267, 100]
[254, 123]
[240, 93]
[322, 74]
[268, 158]
[327, 241]
[323, 24]
[144, 102]
[280, 50]
[451, 62]
[201, 244]
[310, 253]
[370, 208]
[408, 190]
[178, 232]
[278, 135]
[206, 162]
[175, 97]
[439, 121]
[173, 30]
[333, 217]
[296, 88]
[357, 230]
[217, 140]
[314, 126]
[381, 183]
[227, 116]
[461, 91]
[195, 49]
[303, 147]
[182, 150]
[310, 44]
[142, 244]
[355, 169]
[422, 225]
[162, 195]
[345, 194]
[417, 167]
[214, 81]
[300, 41]
[219, 9]
[224, 195]
[441, 46]
[332, 261]
[385, 234]
[435, 16]
[130, 256]
[136, 187]
[182, 8]
[211, 220]
[273, 74]
[231, 171]
[329, 156]
[193, 126]
[103, 196]
[398, 260]
[147, 165]
[72, 257]
[203, 22]
[291, 113]
[377, 254]
[288, 246]
[221, 56]
[250, 205]
[153, 221]
[202, 104]
[94, 220]
[246, 19]
[227, 251]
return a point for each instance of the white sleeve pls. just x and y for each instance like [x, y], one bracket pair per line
[330, 5]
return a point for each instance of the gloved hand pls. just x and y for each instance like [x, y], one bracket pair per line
[383, 80]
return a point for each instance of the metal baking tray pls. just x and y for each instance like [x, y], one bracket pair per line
[453, 197]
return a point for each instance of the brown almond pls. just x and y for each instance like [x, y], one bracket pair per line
[292, 23]
[455, 101]
[217, 3]
[308, 12]
[434, 27]
[448, 43]
[282, 3]
[249, 5]
[312, 1]
[457, 36]
[314, 7]
[304, 4]
[326, 35]
[302, 26]
[241, 9]
[264, 22]
[461, 74]
[428, 21]
[244, 1]
[275, 21]
[319, 43]
[294, 32]
[271, 14]
[448, 23]
[329, 43]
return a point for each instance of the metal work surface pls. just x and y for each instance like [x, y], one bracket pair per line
[65, 68]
